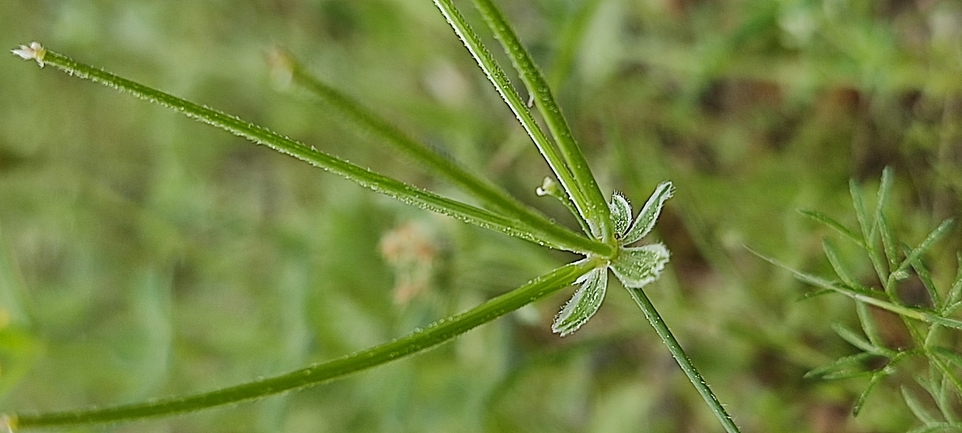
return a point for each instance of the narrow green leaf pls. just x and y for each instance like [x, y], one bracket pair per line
[843, 368]
[868, 298]
[917, 408]
[876, 379]
[884, 192]
[868, 232]
[955, 293]
[489, 193]
[834, 225]
[510, 96]
[532, 77]
[637, 267]
[406, 193]
[584, 303]
[620, 214]
[949, 355]
[889, 242]
[926, 277]
[930, 240]
[939, 360]
[890, 247]
[856, 340]
[836, 263]
[435, 334]
[946, 399]
[649, 213]
[869, 327]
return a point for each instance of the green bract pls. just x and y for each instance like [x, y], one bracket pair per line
[634, 266]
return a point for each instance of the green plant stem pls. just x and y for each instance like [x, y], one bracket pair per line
[510, 96]
[597, 207]
[406, 193]
[489, 193]
[679, 354]
[435, 334]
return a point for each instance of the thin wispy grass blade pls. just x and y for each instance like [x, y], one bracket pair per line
[876, 379]
[487, 192]
[833, 224]
[570, 41]
[889, 244]
[855, 340]
[926, 277]
[435, 334]
[843, 273]
[534, 80]
[930, 240]
[868, 232]
[867, 298]
[869, 326]
[404, 192]
[510, 95]
[843, 368]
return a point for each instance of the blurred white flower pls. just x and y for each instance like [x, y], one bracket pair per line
[34, 51]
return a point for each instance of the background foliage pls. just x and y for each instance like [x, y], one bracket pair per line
[145, 255]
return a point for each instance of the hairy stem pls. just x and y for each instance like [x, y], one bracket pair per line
[497, 77]
[679, 354]
[404, 192]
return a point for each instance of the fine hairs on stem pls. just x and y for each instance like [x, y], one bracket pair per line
[611, 229]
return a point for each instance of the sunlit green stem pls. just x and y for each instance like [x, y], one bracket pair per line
[437, 333]
[679, 354]
[500, 81]
[596, 207]
[385, 185]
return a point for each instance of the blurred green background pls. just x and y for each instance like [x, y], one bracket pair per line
[145, 255]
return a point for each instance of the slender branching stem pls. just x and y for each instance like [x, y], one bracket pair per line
[596, 207]
[487, 192]
[410, 194]
[435, 334]
[683, 361]
[497, 77]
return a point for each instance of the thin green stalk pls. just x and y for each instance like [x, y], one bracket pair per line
[489, 193]
[435, 334]
[510, 96]
[596, 207]
[406, 193]
[683, 361]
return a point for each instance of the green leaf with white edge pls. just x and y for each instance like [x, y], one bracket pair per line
[584, 303]
[649, 214]
[854, 339]
[845, 366]
[936, 235]
[916, 406]
[620, 214]
[636, 267]
[834, 225]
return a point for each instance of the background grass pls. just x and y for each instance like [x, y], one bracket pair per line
[145, 255]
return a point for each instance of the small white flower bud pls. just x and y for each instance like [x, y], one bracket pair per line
[34, 51]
